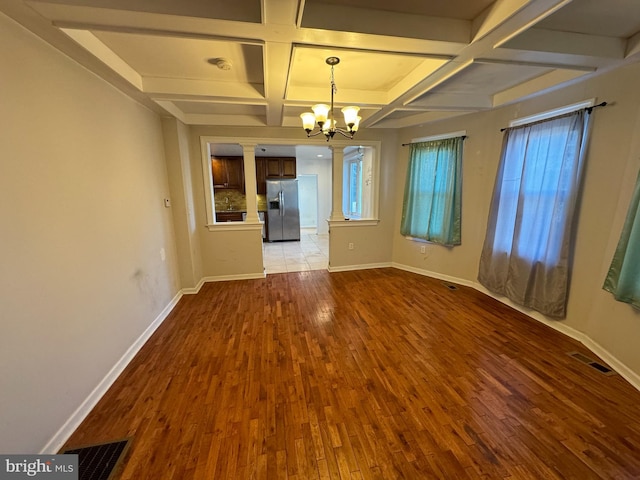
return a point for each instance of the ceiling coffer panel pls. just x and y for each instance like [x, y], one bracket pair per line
[188, 58]
[210, 108]
[237, 10]
[482, 80]
[362, 77]
[457, 9]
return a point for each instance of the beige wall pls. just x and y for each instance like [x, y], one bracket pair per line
[611, 328]
[82, 182]
[178, 158]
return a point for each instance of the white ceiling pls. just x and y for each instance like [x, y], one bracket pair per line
[405, 63]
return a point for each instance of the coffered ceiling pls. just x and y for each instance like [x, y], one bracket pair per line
[405, 62]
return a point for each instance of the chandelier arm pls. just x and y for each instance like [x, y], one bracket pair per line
[309, 134]
[344, 133]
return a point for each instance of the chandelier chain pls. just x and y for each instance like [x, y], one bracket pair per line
[334, 88]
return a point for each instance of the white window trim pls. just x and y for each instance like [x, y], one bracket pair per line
[552, 113]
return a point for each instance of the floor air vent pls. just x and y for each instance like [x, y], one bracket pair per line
[450, 286]
[100, 461]
[592, 363]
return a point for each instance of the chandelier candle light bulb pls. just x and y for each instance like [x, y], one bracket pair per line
[323, 115]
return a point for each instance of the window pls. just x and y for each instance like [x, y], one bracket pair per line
[357, 192]
[623, 278]
[433, 191]
[530, 230]
[354, 188]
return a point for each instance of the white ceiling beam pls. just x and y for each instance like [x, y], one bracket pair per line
[632, 46]
[426, 69]
[524, 63]
[300, 13]
[277, 57]
[344, 96]
[172, 110]
[544, 10]
[454, 101]
[379, 22]
[93, 45]
[445, 74]
[208, 99]
[537, 39]
[280, 12]
[494, 16]
[226, 120]
[175, 86]
[420, 118]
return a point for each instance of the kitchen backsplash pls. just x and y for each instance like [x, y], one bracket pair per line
[236, 200]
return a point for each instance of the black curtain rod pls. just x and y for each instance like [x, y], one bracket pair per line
[405, 144]
[588, 110]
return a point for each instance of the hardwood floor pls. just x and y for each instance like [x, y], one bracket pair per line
[367, 374]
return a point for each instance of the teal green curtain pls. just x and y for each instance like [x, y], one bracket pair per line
[623, 279]
[433, 192]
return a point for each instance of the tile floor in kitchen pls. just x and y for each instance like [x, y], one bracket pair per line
[310, 253]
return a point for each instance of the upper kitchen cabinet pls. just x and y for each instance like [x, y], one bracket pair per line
[228, 172]
[280, 167]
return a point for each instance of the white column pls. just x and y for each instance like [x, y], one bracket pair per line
[337, 174]
[251, 191]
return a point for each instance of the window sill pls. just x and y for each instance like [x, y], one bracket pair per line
[234, 226]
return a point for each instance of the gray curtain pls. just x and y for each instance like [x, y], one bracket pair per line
[527, 248]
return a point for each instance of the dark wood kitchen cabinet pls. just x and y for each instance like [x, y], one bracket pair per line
[228, 172]
[280, 167]
[228, 216]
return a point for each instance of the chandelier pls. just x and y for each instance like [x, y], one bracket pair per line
[323, 115]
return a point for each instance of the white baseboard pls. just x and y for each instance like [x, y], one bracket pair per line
[194, 290]
[439, 276]
[63, 434]
[222, 278]
[625, 372]
[366, 266]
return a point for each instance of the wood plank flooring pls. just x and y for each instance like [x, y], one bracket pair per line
[367, 374]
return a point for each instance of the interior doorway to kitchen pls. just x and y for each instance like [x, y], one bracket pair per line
[308, 202]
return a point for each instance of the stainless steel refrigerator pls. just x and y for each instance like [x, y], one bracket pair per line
[283, 213]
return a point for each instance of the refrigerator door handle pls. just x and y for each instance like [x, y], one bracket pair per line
[282, 206]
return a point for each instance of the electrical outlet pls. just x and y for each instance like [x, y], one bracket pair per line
[423, 249]
[350, 246]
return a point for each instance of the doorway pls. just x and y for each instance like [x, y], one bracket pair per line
[308, 201]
